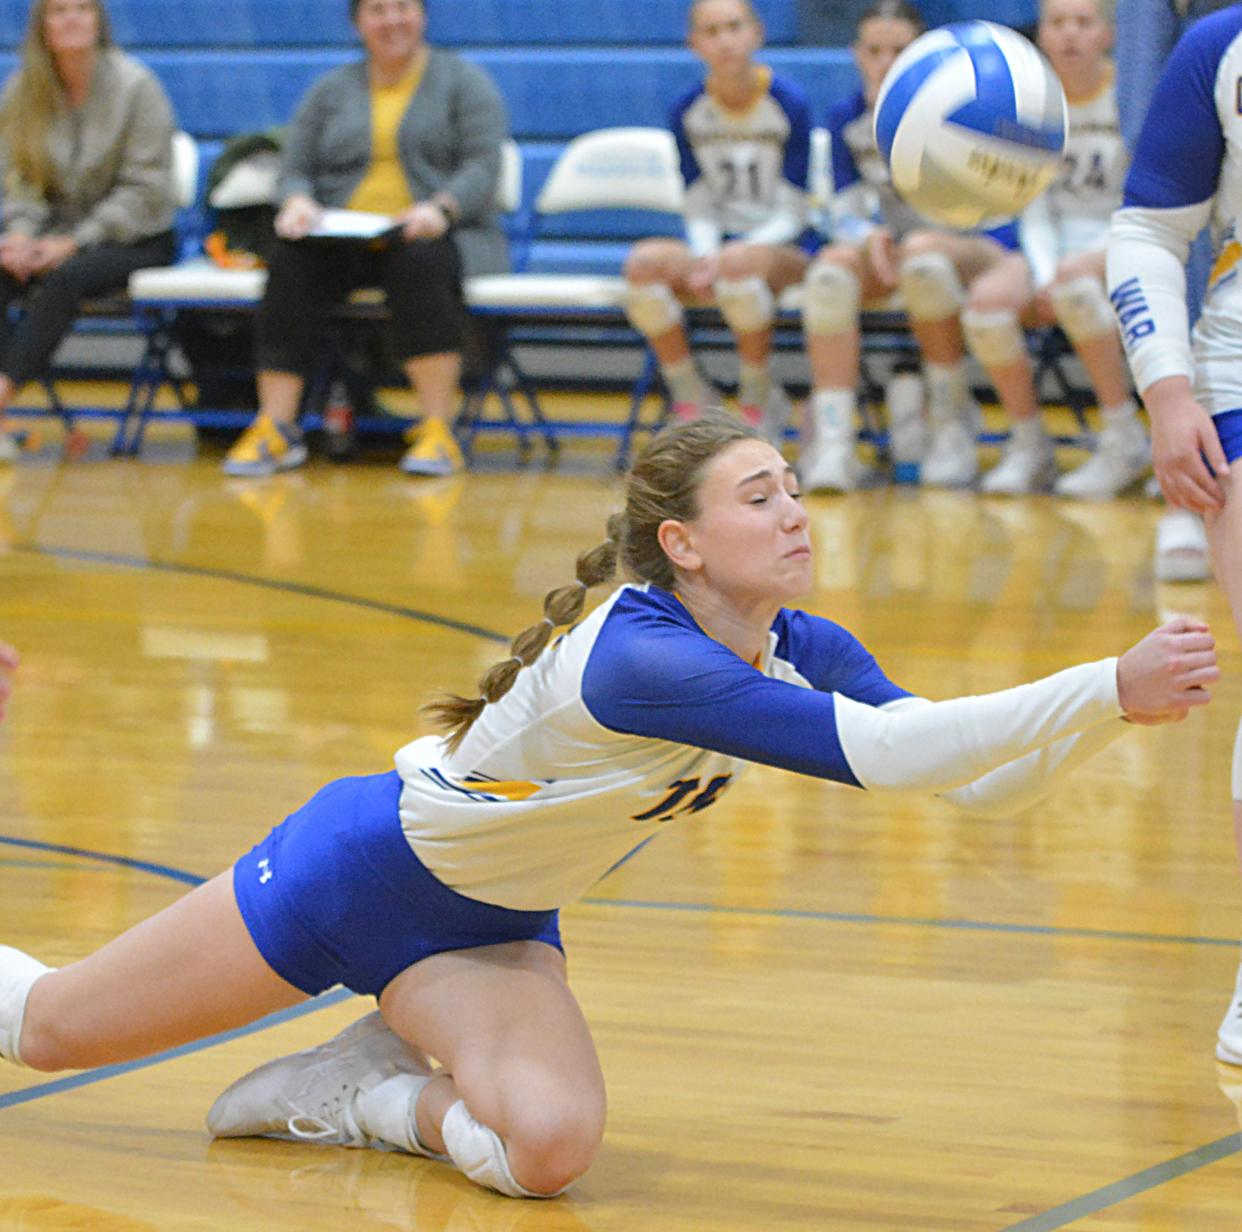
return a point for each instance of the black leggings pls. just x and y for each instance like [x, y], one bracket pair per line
[421, 280]
[51, 302]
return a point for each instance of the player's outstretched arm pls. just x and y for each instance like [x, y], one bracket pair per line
[939, 746]
[8, 665]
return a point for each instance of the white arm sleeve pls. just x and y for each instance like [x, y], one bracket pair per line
[703, 236]
[1039, 242]
[787, 220]
[1018, 785]
[1147, 283]
[944, 745]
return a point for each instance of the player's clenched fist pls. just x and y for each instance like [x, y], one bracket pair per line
[1161, 677]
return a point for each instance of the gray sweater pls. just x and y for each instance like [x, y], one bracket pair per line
[111, 162]
[449, 141]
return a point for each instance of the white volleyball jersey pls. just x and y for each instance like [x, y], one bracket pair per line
[632, 719]
[863, 193]
[1073, 215]
[1186, 171]
[1089, 185]
[746, 172]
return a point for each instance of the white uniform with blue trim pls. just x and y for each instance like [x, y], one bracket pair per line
[1073, 215]
[636, 717]
[863, 196]
[746, 172]
[1187, 171]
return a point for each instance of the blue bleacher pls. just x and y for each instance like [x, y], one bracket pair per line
[563, 66]
[247, 24]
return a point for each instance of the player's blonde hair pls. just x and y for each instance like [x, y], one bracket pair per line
[34, 97]
[1106, 10]
[695, 5]
[663, 484]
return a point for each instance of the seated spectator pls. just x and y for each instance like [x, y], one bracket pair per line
[88, 191]
[414, 133]
[1058, 278]
[744, 136]
[859, 268]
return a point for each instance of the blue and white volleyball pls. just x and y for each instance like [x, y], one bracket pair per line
[971, 120]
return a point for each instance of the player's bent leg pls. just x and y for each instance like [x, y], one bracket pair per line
[505, 1025]
[1224, 532]
[932, 292]
[1122, 452]
[831, 303]
[190, 971]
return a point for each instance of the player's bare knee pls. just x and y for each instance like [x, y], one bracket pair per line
[919, 243]
[551, 1147]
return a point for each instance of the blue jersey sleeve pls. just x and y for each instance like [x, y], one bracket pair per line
[653, 673]
[796, 166]
[1180, 147]
[690, 169]
[844, 169]
[832, 659]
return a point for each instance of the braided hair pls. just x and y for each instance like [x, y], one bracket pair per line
[662, 485]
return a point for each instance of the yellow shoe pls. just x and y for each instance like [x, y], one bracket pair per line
[265, 448]
[433, 450]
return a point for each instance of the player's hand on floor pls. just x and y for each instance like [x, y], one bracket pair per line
[1162, 677]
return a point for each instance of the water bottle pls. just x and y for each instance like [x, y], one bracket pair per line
[338, 423]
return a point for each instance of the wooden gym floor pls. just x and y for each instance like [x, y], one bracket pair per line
[816, 1009]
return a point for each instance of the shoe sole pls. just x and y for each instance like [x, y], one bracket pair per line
[296, 456]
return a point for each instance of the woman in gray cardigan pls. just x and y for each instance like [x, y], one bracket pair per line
[88, 192]
[412, 133]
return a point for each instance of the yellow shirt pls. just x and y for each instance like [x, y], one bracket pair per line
[384, 188]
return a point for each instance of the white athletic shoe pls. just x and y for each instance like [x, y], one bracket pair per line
[9, 449]
[831, 465]
[1122, 454]
[1181, 548]
[1229, 1036]
[952, 459]
[1027, 465]
[310, 1096]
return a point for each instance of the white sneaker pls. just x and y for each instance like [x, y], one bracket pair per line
[952, 459]
[1027, 464]
[772, 418]
[830, 464]
[1181, 548]
[1229, 1036]
[9, 449]
[1122, 454]
[310, 1096]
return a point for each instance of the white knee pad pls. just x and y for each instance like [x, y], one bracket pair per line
[652, 308]
[830, 299]
[480, 1154]
[18, 973]
[1236, 777]
[1082, 308]
[995, 338]
[747, 304]
[930, 287]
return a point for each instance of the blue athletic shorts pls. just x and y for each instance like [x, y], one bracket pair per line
[1229, 429]
[336, 895]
